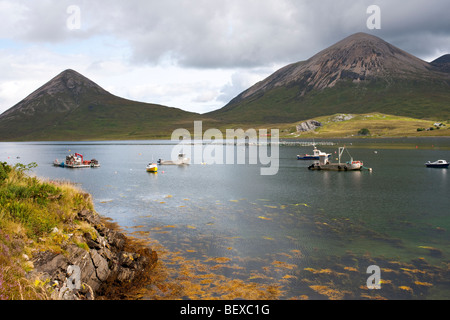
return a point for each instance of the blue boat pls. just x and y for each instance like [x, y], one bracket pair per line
[315, 156]
[437, 164]
[58, 164]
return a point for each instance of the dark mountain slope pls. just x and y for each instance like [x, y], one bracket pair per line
[442, 63]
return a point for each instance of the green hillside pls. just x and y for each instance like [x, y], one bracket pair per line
[370, 125]
[423, 100]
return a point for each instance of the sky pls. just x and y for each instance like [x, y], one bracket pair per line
[195, 55]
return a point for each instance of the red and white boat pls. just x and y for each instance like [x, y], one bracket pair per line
[77, 161]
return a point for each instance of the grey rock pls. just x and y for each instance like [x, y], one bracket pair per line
[307, 126]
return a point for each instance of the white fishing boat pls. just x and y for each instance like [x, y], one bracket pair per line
[324, 164]
[182, 160]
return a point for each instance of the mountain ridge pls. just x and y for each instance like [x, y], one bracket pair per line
[68, 81]
[359, 74]
[357, 63]
[71, 106]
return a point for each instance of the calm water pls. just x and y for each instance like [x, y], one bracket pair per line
[309, 233]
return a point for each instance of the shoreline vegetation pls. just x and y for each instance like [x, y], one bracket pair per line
[54, 246]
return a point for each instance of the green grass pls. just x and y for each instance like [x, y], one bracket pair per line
[30, 210]
[378, 124]
[96, 117]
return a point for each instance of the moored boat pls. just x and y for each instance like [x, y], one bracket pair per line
[152, 167]
[180, 161]
[58, 163]
[315, 156]
[324, 164]
[77, 161]
[437, 164]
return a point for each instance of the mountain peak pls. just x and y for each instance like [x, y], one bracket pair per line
[357, 58]
[65, 90]
[72, 107]
[69, 80]
[361, 73]
[363, 56]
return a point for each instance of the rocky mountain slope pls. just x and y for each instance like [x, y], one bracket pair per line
[72, 107]
[361, 73]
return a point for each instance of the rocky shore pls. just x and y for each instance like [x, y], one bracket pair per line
[109, 265]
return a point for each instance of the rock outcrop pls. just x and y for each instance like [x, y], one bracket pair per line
[106, 268]
[307, 126]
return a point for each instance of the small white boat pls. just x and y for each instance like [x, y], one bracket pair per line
[182, 160]
[152, 167]
[437, 164]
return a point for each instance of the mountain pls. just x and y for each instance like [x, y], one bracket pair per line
[442, 63]
[72, 107]
[360, 74]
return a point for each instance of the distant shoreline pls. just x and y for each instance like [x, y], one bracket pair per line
[281, 138]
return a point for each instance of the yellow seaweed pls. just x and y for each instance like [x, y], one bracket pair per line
[424, 284]
[330, 293]
[351, 269]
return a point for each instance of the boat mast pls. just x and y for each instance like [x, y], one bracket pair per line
[341, 150]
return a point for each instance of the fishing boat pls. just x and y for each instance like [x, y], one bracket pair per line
[315, 156]
[152, 167]
[324, 164]
[76, 161]
[182, 160]
[437, 164]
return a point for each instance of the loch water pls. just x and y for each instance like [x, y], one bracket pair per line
[227, 232]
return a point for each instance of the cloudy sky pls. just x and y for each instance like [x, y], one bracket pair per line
[193, 54]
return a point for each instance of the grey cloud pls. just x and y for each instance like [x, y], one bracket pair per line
[230, 34]
[236, 33]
